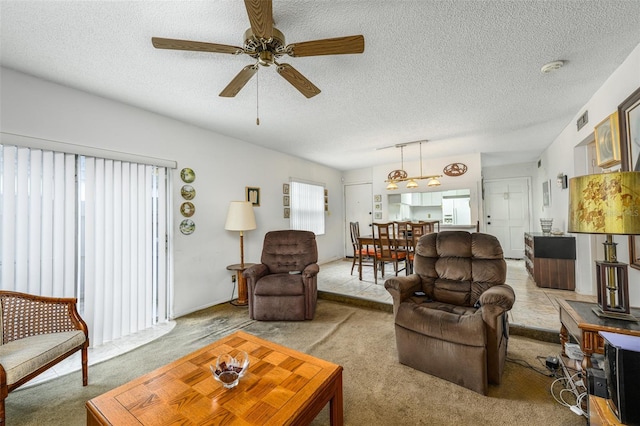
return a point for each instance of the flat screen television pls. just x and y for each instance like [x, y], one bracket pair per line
[622, 372]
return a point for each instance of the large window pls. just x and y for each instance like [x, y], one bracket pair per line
[86, 227]
[307, 207]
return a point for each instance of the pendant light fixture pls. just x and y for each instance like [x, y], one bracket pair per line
[396, 176]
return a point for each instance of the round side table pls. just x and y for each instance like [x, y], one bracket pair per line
[242, 299]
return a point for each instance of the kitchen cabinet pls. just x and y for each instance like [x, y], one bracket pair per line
[411, 199]
[432, 199]
[550, 260]
[394, 199]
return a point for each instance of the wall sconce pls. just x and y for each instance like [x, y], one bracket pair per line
[561, 180]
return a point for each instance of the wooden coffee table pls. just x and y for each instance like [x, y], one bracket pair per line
[281, 387]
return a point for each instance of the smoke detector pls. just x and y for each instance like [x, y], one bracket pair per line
[551, 66]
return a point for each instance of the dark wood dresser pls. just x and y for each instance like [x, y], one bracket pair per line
[550, 259]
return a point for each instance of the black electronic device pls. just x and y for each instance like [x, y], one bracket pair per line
[622, 373]
[597, 382]
[552, 363]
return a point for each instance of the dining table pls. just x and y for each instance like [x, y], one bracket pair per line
[369, 240]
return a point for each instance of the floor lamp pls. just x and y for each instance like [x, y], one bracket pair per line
[607, 203]
[240, 217]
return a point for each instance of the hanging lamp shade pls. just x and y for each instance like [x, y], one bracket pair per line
[412, 184]
[392, 185]
[433, 182]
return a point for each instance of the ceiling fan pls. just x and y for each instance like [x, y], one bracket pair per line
[266, 44]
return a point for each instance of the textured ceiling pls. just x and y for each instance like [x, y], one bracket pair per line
[463, 74]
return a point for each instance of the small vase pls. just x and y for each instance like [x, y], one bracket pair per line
[546, 225]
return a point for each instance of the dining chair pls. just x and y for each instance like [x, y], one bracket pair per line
[366, 252]
[428, 227]
[386, 249]
[403, 239]
[418, 229]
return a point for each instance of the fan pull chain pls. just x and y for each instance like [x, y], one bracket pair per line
[257, 100]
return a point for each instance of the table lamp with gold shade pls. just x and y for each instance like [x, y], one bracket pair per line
[607, 203]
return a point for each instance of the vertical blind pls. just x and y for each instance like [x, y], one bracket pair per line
[37, 200]
[307, 207]
[100, 237]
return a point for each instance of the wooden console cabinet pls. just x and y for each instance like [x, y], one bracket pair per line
[550, 259]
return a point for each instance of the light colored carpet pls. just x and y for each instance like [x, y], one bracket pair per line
[377, 389]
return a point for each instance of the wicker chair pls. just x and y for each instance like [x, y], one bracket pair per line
[37, 333]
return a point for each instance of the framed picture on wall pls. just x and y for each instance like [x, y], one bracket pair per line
[629, 115]
[634, 251]
[629, 118]
[608, 142]
[253, 195]
[546, 193]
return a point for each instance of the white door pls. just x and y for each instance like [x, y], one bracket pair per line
[506, 208]
[358, 203]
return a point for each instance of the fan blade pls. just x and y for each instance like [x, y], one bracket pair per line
[170, 43]
[239, 81]
[261, 17]
[328, 46]
[298, 81]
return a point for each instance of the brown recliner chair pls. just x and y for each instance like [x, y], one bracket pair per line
[284, 287]
[458, 330]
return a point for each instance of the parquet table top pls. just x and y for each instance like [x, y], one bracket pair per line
[281, 387]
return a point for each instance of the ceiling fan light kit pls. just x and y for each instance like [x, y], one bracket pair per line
[266, 44]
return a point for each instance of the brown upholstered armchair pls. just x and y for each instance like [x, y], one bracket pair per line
[458, 330]
[284, 285]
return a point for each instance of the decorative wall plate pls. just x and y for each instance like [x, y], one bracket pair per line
[455, 169]
[187, 209]
[187, 175]
[187, 227]
[188, 192]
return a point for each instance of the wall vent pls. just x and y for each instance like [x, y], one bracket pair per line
[582, 120]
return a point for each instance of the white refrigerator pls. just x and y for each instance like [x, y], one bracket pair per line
[456, 211]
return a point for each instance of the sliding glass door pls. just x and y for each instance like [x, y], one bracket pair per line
[90, 228]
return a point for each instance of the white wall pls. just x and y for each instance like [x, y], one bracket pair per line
[224, 166]
[559, 157]
[509, 171]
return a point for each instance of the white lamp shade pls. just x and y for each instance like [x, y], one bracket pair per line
[240, 217]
